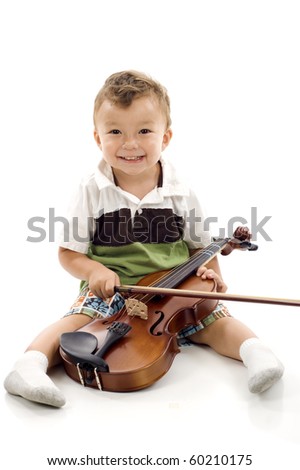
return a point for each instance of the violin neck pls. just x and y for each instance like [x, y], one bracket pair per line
[205, 255]
[189, 267]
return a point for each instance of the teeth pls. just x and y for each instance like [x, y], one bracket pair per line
[131, 158]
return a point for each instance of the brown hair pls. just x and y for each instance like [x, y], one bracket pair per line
[122, 88]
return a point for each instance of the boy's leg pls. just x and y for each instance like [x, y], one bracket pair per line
[48, 340]
[229, 337]
[29, 378]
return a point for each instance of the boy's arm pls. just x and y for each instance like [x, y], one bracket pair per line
[101, 279]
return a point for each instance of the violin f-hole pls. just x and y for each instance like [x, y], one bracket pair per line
[158, 321]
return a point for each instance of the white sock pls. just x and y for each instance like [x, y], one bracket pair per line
[29, 380]
[264, 369]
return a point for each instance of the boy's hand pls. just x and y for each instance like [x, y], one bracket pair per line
[206, 273]
[102, 282]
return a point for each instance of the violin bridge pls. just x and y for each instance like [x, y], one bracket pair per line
[136, 308]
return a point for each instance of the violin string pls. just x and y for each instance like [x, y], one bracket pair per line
[182, 271]
[161, 281]
[179, 273]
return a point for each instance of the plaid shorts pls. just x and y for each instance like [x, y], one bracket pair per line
[95, 307]
[220, 311]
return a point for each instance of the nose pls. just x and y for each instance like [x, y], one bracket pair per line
[129, 143]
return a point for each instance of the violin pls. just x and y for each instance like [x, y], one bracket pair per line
[135, 347]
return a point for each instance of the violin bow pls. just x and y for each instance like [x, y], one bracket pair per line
[241, 239]
[205, 295]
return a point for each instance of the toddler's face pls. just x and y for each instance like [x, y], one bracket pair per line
[131, 139]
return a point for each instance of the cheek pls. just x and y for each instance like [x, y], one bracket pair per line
[155, 146]
[108, 146]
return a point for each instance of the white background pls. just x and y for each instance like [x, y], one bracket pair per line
[232, 71]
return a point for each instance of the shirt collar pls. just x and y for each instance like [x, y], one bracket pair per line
[172, 184]
[103, 175]
[169, 184]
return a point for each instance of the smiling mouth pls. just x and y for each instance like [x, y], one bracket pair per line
[132, 158]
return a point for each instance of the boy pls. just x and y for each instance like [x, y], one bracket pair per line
[132, 217]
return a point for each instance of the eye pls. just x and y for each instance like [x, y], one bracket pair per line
[145, 131]
[115, 131]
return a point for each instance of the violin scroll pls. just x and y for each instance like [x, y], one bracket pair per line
[240, 240]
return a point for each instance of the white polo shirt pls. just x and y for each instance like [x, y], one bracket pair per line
[135, 237]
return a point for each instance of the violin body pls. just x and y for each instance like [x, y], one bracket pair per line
[147, 351]
[135, 347]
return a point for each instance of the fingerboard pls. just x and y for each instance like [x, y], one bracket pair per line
[183, 271]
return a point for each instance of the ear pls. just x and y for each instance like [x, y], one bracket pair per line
[97, 139]
[166, 139]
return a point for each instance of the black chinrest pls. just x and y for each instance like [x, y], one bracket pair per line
[82, 347]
